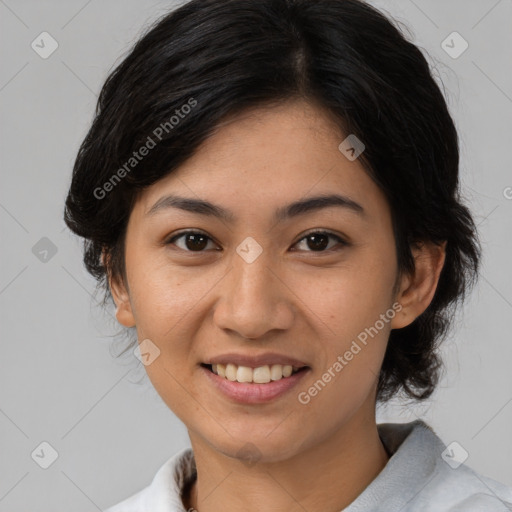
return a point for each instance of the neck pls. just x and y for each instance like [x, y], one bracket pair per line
[326, 476]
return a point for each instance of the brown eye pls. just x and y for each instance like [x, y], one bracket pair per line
[318, 241]
[191, 241]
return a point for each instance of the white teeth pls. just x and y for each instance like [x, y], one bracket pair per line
[244, 374]
[259, 375]
[231, 372]
[220, 370]
[276, 372]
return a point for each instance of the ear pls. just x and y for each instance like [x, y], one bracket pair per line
[118, 289]
[417, 290]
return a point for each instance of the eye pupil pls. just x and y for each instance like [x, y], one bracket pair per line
[199, 242]
[317, 241]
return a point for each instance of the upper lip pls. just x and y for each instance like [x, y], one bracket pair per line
[255, 361]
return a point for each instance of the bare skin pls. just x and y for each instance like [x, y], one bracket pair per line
[293, 299]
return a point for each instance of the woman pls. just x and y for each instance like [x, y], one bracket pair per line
[269, 193]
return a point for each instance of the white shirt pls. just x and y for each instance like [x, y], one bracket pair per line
[416, 479]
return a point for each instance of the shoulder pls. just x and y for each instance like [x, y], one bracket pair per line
[164, 492]
[420, 477]
[446, 485]
[465, 490]
[134, 503]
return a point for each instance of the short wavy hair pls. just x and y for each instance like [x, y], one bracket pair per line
[232, 55]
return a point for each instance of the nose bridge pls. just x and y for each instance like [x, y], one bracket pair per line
[253, 301]
[251, 281]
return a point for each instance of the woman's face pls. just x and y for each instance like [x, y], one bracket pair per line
[247, 284]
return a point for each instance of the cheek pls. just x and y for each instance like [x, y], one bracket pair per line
[347, 300]
[349, 310]
[162, 295]
[164, 304]
[353, 346]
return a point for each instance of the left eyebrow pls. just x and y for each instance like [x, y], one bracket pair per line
[316, 203]
[295, 209]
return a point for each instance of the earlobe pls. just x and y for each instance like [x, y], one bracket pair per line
[417, 290]
[124, 313]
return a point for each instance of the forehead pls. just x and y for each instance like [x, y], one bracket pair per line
[262, 159]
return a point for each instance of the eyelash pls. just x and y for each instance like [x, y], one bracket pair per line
[340, 240]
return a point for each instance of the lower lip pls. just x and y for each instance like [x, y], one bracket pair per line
[251, 393]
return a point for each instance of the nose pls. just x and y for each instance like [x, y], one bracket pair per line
[253, 299]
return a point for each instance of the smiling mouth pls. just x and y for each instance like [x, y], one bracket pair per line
[260, 375]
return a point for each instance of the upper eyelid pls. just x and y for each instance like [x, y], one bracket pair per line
[189, 231]
[322, 232]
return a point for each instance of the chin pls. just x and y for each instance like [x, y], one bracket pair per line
[254, 449]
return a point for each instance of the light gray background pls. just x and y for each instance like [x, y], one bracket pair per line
[59, 382]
